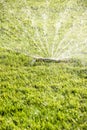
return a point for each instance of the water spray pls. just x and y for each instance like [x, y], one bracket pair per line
[45, 34]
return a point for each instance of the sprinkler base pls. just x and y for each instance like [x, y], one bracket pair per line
[38, 59]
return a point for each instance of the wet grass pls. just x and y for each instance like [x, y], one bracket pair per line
[43, 96]
[39, 95]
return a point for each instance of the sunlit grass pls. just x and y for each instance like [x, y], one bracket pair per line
[43, 96]
[39, 95]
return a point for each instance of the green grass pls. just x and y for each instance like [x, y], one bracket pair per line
[42, 95]
[45, 96]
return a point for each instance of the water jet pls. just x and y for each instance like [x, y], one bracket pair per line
[45, 34]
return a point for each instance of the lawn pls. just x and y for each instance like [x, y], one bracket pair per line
[38, 95]
[43, 96]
